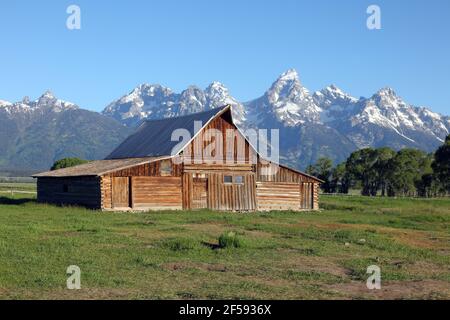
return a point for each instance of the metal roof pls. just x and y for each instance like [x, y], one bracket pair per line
[153, 138]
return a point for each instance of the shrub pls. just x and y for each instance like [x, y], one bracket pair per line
[229, 240]
[67, 162]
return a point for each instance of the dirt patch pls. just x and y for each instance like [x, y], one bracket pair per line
[179, 266]
[413, 238]
[427, 269]
[206, 227]
[64, 294]
[393, 290]
[317, 264]
[420, 239]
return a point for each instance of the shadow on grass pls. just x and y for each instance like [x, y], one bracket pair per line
[10, 201]
[212, 246]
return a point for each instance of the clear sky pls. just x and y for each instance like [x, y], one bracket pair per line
[245, 44]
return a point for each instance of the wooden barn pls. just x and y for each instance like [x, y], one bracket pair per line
[170, 164]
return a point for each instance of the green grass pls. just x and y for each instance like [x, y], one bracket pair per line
[179, 255]
[16, 186]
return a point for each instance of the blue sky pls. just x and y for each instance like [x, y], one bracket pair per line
[244, 44]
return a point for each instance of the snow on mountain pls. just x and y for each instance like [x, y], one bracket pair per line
[333, 96]
[335, 103]
[34, 134]
[386, 109]
[329, 122]
[287, 101]
[46, 102]
[4, 103]
[217, 95]
[156, 102]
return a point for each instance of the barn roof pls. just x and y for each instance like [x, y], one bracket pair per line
[96, 168]
[153, 138]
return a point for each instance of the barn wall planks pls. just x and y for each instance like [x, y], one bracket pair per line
[121, 192]
[152, 169]
[220, 195]
[84, 191]
[231, 196]
[234, 147]
[273, 173]
[316, 196]
[157, 192]
[277, 196]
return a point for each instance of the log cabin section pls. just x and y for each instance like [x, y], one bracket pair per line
[215, 168]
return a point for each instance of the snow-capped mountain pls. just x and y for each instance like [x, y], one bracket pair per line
[46, 102]
[329, 122]
[156, 102]
[335, 103]
[287, 101]
[4, 103]
[33, 134]
[385, 119]
[289, 107]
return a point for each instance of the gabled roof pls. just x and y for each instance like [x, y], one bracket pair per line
[96, 168]
[153, 138]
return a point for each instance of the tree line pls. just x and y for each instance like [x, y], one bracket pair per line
[383, 171]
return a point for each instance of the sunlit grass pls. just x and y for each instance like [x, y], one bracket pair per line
[178, 255]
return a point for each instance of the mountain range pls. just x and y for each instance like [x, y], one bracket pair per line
[329, 122]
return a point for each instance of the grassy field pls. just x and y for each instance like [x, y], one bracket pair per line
[176, 255]
[8, 186]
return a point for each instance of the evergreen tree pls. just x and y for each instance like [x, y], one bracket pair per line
[441, 165]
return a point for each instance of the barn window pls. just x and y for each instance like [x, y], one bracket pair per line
[165, 168]
[239, 179]
[65, 188]
[227, 179]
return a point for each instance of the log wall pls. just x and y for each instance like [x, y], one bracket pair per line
[84, 191]
[278, 196]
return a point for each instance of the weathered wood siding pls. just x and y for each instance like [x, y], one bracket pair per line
[316, 196]
[155, 185]
[231, 196]
[272, 179]
[274, 173]
[156, 192]
[83, 191]
[220, 195]
[306, 195]
[106, 192]
[235, 148]
[149, 170]
[277, 196]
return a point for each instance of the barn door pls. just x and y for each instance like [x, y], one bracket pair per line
[306, 195]
[199, 193]
[121, 192]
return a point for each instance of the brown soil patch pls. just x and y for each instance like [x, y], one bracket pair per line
[394, 290]
[175, 266]
[413, 238]
[420, 239]
[318, 264]
[65, 294]
[427, 269]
